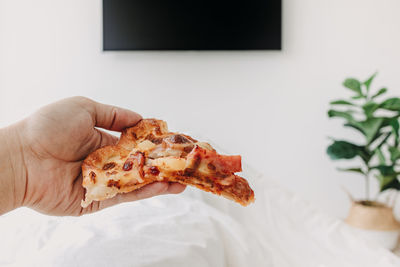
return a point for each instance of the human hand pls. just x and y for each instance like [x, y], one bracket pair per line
[51, 145]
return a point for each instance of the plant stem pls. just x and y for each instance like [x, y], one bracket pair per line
[367, 186]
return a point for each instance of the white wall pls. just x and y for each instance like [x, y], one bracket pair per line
[268, 106]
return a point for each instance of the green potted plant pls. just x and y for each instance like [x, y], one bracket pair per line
[377, 150]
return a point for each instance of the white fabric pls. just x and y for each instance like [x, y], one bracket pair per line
[192, 229]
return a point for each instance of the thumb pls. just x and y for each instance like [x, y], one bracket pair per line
[111, 117]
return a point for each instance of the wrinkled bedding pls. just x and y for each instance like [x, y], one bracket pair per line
[192, 229]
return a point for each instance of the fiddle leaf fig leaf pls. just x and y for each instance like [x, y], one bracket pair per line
[369, 128]
[357, 97]
[380, 92]
[369, 108]
[395, 130]
[341, 114]
[394, 154]
[385, 170]
[368, 82]
[342, 102]
[356, 170]
[388, 182]
[354, 85]
[392, 104]
[395, 126]
[390, 121]
[343, 150]
[381, 157]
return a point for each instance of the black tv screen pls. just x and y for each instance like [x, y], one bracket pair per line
[191, 25]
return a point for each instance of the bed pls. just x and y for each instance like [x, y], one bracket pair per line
[193, 229]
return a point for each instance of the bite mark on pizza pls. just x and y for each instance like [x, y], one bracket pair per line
[148, 152]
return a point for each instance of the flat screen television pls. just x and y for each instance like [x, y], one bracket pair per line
[191, 25]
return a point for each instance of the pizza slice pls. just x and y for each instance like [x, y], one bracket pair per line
[148, 152]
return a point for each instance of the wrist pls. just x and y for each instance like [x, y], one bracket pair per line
[12, 169]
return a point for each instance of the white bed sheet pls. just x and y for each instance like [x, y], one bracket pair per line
[192, 229]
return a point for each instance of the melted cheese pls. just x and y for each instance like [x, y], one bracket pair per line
[160, 152]
[169, 163]
[146, 145]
